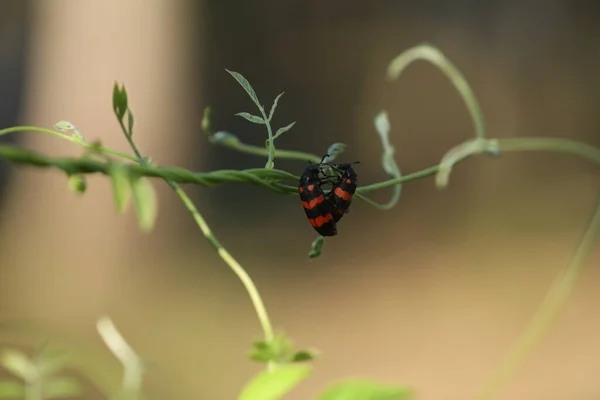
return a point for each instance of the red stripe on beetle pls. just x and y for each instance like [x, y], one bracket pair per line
[342, 194]
[309, 205]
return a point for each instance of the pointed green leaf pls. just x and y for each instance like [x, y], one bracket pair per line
[130, 121]
[273, 385]
[364, 390]
[274, 106]
[334, 151]
[119, 176]
[10, 389]
[279, 132]
[283, 130]
[261, 352]
[304, 355]
[252, 118]
[62, 387]
[247, 87]
[119, 101]
[145, 201]
[17, 363]
[206, 120]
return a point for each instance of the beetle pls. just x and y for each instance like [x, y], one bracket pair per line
[319, 208]
[343, 190]
[325, 210]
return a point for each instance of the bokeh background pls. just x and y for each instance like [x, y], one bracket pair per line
[432, 293]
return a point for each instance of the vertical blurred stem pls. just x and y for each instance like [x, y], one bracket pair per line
[241, 273]
[33, 387]
[564, 283]
[555, 299]
[233, 264]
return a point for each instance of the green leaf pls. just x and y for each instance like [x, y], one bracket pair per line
[77, 183]
[247, 87]
[274, 106]
[252, 118]
[283, 130]
[382, 125]
[17, 363]
[316, 248]
[273, 385]
[64, 126]
[119, 101]
[304, 355]
[261, 352]
[334, 151]
[130, 121]
[224, 138]
[145, 201]
[119, 176]
[279, 349]
[364, 390]
[10, 389]
[61, 387]
[67, 126]
[206, 120]
[279, 132]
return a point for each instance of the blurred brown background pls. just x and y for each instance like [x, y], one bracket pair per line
[432, 293]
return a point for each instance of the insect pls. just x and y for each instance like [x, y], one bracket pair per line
[325, 210]
[343, 190]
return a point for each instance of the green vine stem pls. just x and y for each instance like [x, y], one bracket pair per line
[241, 273]
[227, 139]
[433, 55]
[119, 104]
[133, 365]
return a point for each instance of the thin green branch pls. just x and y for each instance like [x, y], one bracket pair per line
[267, 178]
[133, 365]
[265, 119]
[258, 177]
[432, 54]
[241, 273]
[395, 69]
[388, 162]
[131, 142]
[229, 140]
[497, 146]
[70, 138]
[233, 264]
[271, 159]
